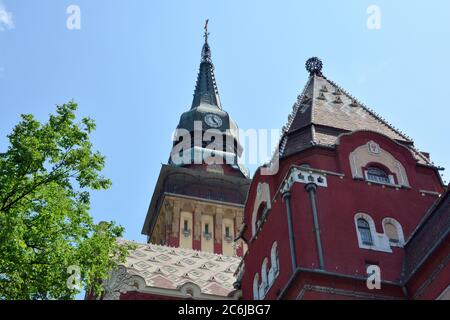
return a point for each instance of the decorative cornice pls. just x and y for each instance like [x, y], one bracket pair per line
[118, 282]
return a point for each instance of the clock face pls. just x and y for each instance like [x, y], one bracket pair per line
[213, 120]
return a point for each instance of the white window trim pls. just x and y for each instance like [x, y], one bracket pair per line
[262, 197]
[362, 155]
[274, 263]
[398, 227]
[256, 295]
[264, 278]
[380, 240]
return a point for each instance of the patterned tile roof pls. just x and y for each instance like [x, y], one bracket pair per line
[170, 268]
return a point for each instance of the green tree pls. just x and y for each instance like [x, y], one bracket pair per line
[46, 232]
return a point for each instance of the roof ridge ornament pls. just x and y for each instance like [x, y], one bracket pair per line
[314, 66]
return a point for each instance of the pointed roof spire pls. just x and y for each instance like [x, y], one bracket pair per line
[324, 111]
[206, 91]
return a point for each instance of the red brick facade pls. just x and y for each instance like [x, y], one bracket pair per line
[321, 251]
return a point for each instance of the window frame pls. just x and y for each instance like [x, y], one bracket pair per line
[365, 231]
[398, 228]
[390, 177]
[379, 240]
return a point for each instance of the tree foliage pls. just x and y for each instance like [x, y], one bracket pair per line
[46, 175]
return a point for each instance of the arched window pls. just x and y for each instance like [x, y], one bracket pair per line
[274, 261]
[264, 275]
[377, 175]
[256, 287]
[364, 231]
[393, 230]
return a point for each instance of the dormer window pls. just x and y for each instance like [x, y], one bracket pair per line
[377, 175]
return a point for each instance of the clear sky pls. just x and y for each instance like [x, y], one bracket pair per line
[133, 64]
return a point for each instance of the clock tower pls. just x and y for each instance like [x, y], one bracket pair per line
[199, 196]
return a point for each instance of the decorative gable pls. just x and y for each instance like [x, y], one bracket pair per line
[371, 152]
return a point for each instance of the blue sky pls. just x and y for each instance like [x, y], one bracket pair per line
[133, 64]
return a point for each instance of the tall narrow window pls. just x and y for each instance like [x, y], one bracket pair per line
[274, 259]
[264, 278]
[377, 175]
[206, 228]
[256, 287]
[186, 226]
[227, 232]
[364, 231]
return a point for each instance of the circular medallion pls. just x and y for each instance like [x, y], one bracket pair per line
[213, 120]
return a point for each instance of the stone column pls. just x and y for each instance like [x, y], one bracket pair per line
[197, 223]
[287, 200]
[218, 226]
[176, 220]
[311, 189]
[168, 217]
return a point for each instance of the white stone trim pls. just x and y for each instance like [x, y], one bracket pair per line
[365, 154]
[380, 240]
[274, 264]
[304, 176]
[264, 279]
[256, 287]
[119, 281]
[262, 196]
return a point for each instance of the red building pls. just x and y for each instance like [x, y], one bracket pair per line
[352, 196]
[355, 211]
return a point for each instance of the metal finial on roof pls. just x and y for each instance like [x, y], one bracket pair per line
[206, 51]
[314, 66]
[206, 30]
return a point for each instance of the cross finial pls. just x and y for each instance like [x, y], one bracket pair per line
[206, 30]
[206, 51]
